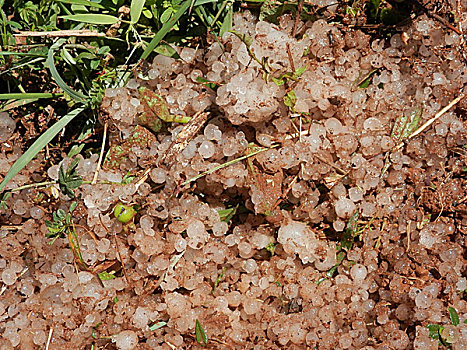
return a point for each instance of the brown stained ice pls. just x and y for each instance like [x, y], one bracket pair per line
[335, 238]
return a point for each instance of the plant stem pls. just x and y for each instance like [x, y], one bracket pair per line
[47, 183]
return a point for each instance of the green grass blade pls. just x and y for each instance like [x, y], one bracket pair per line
[157, 325]
[28, 96]
[453, 316]
[165, 29]
[82, 2]
[39, 144]
[202, 2]
[201, 336]
[78, 96]
[92, 18]
[135, 10]
[227, 24]
[12, 53]
[16, 103]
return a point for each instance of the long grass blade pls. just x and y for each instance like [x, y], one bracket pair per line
[136, 8]
[165, 29]
[227, 23]
[28, 96]
[39, 144]
[92, 18]
[16, 103]
[236, 160]
[82, 2]
[78, 96]
[12, 53]
[202, 2]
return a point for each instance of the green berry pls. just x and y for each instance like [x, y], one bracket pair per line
[124, 213]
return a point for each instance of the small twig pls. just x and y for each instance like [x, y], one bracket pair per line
[437, 116]
[445, 22]
[462, 200]
[173, 347]
[143, 178]
[297, 17]
[184, 137]
[408, 235]
[101, 155]
[289, 53]
[210, 171]
[330, 164]
[38, 184]
[47, 183]
[117, 246]
[89, 232]
[49, 338]
[286, 193]
[191, 7]
[298, 134]
[60, 33]
[10, 227]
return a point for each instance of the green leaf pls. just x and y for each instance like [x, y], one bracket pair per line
[347, 238]
[208, 83]
[29, 95]
[157, 325]
[39, 144]
[271, 248]
[73, 206]
[165, 16]
[290, 99]
[201, 337]
[227, 214]
[147, 13]
[135, 10]
[105, 276]
[127, 179]
[453, 316]
[404, 126]
[75, 150]
[78, 96]
[278, 81]
[103, 50]
[167, 50]
[70, 179]
[165, 29]
[68, 57]
[300, 71]
[227, 23]
[434, 330]
[92, 18]
[61, 214]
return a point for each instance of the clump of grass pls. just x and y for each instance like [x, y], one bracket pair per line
[78, 48]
